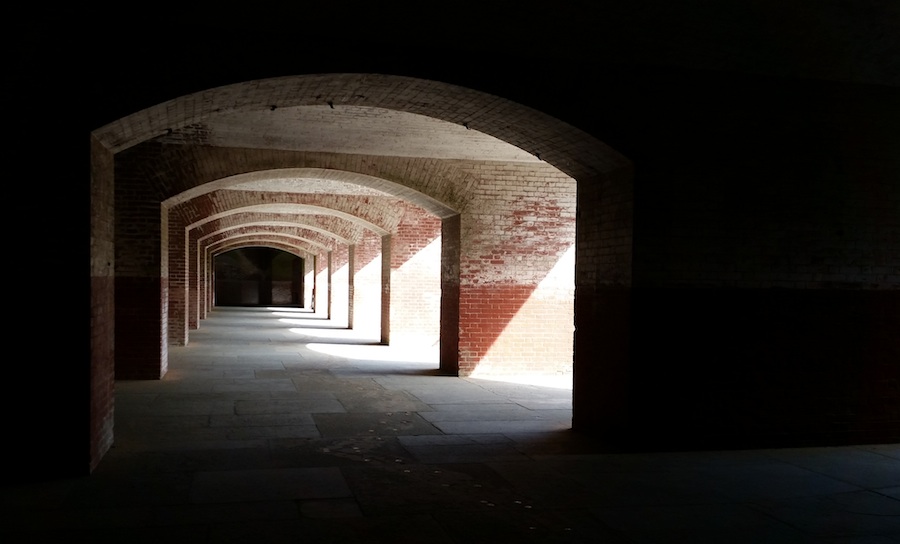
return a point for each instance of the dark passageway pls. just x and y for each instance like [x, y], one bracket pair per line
[689, 211]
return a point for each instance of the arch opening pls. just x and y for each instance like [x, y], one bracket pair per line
[484, 262]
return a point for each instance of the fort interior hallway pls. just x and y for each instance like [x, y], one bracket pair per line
[272, 426]
[690, 212]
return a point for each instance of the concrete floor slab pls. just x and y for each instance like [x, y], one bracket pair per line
[857, 466]
[373, 424]
[254, 438]
[268, 485]
[855, 514]
[501, 426]
[288, 406]
[732, 523]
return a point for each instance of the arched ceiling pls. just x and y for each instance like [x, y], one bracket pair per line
[315, 181]
[353, 129]
[363, 115]
[299, 210]
[277, 224]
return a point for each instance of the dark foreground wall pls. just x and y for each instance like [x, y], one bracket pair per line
[765, 304]
[764, 368]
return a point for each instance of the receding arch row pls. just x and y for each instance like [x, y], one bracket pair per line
[258, 230]
[603, 176]
[341, 296]
[274, 243]
[297, 210]
[305, 180]
[326, 227]
[304, 244]
[212, 230]
[316, 258]
[199, 263]
[183, 295]
[224, 231]
[208, 278]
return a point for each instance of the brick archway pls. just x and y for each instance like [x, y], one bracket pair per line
[602, 239]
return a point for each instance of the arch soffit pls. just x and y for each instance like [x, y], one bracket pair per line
[297, 209]
[293, 250]
[333, 226]
[266, 234]
[303, 179]
[254, 238]
[279, 224]
[567, 148]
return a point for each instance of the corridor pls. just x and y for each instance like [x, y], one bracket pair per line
[274, 425]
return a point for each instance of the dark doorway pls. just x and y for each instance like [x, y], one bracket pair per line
[258, 276]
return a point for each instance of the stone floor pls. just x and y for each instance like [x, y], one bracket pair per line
[279, 426]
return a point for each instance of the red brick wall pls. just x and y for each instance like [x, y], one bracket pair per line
[416, 279]
[367, 287]
[340, 282]
[178, 269]
[517, 270]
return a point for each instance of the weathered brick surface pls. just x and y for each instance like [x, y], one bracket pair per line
[195, 282]
[141, 328]
[517, 228]
[416, 279]
[174, 171]
[102, 350]
[450, 293]
[340, 283]
[516, 270]
[571, 150]
[176, 262]
[367, 286]
[141, 269]
[321, 285]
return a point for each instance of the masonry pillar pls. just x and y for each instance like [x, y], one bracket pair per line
[450, 250]
[329, 267]
[351, 283]
[516, 273]
[178, 279]
[309, 282]
[210, 276]
[195, 282]
[297, 281]
[386, 289]
[322, 285]
[368, 286]
[339, 282]
[102, 362]
[141, 285]
[603, 300]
